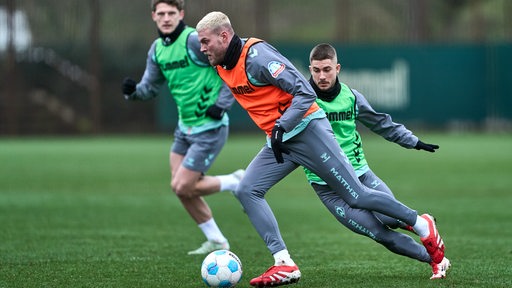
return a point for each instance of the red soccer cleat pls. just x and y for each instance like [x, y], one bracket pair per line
[277, 276]
[433, 242]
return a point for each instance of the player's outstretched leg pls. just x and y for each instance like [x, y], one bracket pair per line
[228, 182]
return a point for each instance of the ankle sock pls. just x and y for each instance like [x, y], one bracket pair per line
[421, 227]
[283, 258]
[228, 182]
[212, 231]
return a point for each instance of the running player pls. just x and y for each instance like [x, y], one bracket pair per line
[343, 107]
[282, 103]
[202, 100]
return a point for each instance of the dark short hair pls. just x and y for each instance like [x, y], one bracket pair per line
[180, 4]
[323, 51]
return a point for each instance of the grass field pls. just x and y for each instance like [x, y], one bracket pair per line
[98, 212]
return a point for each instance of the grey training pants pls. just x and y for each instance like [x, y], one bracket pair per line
[316, 149]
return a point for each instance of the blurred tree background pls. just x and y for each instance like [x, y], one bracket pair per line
[62, 62]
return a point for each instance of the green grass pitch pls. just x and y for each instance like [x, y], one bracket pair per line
[98, 212]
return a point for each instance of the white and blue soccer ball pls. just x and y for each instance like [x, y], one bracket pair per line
[221, 268]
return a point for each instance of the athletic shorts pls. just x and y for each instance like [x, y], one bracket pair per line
[201, 149]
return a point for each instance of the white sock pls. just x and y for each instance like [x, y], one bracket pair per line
[228, 182]
[421, 227]
[283, 258]
[212, 231]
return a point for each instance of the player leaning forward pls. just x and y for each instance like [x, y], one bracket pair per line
[202, 129]
[334, 97]
[282, 103]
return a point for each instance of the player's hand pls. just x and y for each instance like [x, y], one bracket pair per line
[215, 112]
[427, 147]
[129, 86]
[276, 141]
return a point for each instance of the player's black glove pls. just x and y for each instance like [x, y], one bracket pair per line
[276, 141]
[215, 112]
[427, 147]
[129, 86]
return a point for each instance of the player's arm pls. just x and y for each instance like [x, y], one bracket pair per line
[288, 79]
[382, 123]
[222, 104]
[151, 81]
[226, 99]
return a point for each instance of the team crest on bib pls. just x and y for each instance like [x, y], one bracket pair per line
[275, 68]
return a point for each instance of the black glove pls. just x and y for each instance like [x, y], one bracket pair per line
[129, 86]
[215, 112]
[427, 147]
[276, 141]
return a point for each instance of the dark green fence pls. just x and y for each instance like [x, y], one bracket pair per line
[429, 85]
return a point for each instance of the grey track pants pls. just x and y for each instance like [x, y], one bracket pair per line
[316, 149]
[364, 222]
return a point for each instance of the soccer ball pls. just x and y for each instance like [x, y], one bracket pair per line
[221, 268]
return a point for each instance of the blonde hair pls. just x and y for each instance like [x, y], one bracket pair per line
[215, 21]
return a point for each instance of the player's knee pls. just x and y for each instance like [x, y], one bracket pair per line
[364, 201]
[239, 192]
[245, 192]
[354, 203]
[241, 188]
[182, 189]
[381, 237]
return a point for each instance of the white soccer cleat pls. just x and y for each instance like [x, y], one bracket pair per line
[439, 270]
[209, 246]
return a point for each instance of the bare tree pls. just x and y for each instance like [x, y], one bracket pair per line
[11, 103]
[418, 26]
[95, 66]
